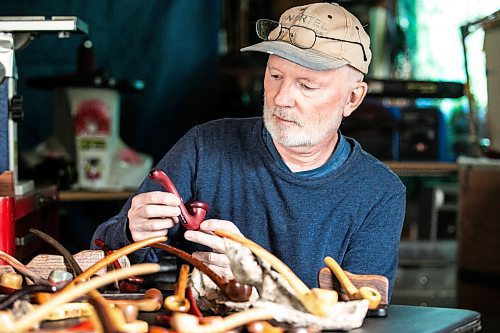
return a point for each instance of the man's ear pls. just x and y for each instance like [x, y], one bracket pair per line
[356, 95]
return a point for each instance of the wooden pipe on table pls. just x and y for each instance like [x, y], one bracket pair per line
[130, 285]
[263, 327]
[18, 266]
[10, 282]
[317, 301]
[36, 288]
[186, 323]
[60, 248]
[9, 324]
[178, 301]
[113, 319]
[107, 260]
[370, 294]
[152, 301]
[235, 291]
[192, 213]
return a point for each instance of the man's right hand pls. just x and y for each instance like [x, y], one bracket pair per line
[151, 214]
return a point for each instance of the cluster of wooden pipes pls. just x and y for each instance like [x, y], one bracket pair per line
[63, 295]
[79, 296]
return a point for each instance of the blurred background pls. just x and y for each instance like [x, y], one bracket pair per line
[172, 64]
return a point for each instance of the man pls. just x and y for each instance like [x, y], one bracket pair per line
[290, 181]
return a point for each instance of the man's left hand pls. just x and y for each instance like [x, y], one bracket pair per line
[217, 261]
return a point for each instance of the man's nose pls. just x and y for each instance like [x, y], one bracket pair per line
[284, 96]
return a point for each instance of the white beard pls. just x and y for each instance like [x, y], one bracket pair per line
[300, 133]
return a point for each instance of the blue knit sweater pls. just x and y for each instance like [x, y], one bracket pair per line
[354, 213]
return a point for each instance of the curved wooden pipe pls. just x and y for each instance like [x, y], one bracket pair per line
[107, 260]
[6, 302]
[132, 284]
[9, 324]
[178, 301]
[194, 310]
[112, 318]
[317, 301]
[235, 291]
[185, 323]
[370, 294]
[151, 301]
[60, 248]
[192, 216]
[18, 266]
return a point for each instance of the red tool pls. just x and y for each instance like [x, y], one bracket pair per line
[193, 212]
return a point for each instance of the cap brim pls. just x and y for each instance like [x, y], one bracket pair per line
[305, 57]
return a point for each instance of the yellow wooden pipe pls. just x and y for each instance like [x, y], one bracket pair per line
[372, 295]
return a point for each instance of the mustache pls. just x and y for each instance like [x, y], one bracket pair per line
[288, 116]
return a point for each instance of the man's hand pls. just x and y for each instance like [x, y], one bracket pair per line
[151, 214]
[217, 261]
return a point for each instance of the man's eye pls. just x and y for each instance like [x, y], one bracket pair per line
[306, 87]
[275, 76]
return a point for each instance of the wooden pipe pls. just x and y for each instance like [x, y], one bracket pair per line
[87, 274]
[263, 327]
[132, 284]
[235, 291]
[112, 319]
[18, 266]
[186, 323]
[151, 301]
[10, 282]
[107, 260]
[36, 288]
[370, 294]
[193, 308]
[317, 301]
[8, 323]
[178, 301]
[60, 248]
[192, 213]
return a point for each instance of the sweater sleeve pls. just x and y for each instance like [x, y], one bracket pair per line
[374, 247]
[177, 164]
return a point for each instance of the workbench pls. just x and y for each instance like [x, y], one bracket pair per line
[420, 319]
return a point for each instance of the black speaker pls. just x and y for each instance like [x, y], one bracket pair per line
[373, 126]
[418, 131]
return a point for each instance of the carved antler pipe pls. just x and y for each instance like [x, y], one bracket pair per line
[193, 212]
[317, 301]
[368, 293]
[18, 266]
[8, 323]
[130, 285]
[235, 291]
